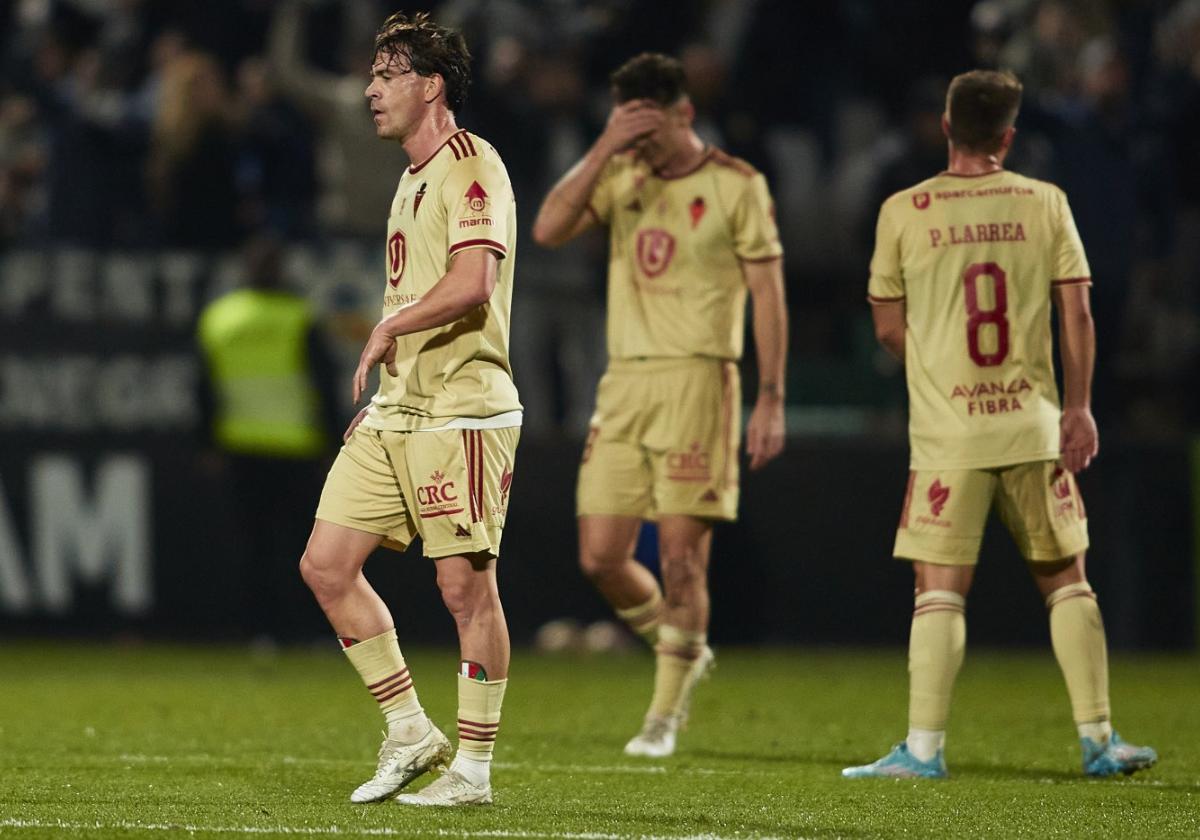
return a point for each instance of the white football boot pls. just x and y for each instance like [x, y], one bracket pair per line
[400, 763]
[657, 738]
[451, 788]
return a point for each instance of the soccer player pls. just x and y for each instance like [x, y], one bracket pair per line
[432, 455]
[966, 265]
[691, 230]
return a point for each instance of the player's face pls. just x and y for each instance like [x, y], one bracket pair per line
[659, 146]
[397, 98]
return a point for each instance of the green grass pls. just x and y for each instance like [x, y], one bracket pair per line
[140, 742]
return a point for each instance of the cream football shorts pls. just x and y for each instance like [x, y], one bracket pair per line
[450, 487]
[945, 512]
[663, 440]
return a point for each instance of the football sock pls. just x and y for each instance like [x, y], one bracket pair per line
[1077, 635]
[676, 651]
[936, 645]
[925, 743]
[645, 618]
[479, 705]
[381, 665]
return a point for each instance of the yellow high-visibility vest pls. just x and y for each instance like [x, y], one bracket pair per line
[256, 344]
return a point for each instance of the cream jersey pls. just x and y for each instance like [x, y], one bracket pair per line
[459, 198]
[974, 258]
[675, 285]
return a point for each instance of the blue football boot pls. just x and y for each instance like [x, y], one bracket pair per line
[1115, 757]
[900, 764]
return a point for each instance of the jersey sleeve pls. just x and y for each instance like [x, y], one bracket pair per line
[477, 195]
[887, 277]
[600, 203]
[755, 234]
[1070, 262]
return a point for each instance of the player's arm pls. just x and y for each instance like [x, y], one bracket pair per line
[765, 430]
[468, 284]
[890, 325]
[1079, 439]
[564, 212]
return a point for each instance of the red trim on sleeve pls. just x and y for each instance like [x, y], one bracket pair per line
[874, 299]
[1072, 281]
[475, 243]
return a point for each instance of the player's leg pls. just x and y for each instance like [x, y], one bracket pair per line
[360, 509]
[941, 527]
[612, 497]
[682, 655]
[606, 544]
[461, 525]
[1043, 509]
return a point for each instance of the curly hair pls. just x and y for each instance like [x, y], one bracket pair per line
[418, 44]
[650, 76]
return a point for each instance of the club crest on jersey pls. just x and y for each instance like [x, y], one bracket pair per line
[655, 248]
[397, 256]
[921, 200]
[696, 210]
[938, 496]
[417, 199]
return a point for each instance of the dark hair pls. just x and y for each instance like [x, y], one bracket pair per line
[650, 76]
[427, 48]
[980, 105]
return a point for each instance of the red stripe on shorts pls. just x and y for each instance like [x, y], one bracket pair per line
[468, 455]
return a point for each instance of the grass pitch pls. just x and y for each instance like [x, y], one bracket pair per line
[145, 742]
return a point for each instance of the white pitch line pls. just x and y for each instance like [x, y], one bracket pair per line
[566, 769]
[339, 831]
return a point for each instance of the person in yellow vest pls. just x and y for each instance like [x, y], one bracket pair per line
[272, 421]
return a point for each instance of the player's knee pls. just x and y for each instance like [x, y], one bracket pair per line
[597, 566]
[461, 596]
[322, 577]
[683, 573]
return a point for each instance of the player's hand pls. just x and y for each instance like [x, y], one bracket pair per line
[629, 122]
[764, 432]
[358, 418]
[381, 347]
[1078, 439]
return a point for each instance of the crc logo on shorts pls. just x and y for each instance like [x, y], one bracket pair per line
[692, 464]
[397, 256]
[655, 247]
[938, 496]
[921, 200]
[439, 497]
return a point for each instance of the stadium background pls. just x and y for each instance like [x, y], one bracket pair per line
[142, 144]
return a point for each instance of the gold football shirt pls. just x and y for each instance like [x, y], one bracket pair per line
[675, 286]
[459, 198]
[974, 258]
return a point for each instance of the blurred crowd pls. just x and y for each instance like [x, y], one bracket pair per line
[195, 124]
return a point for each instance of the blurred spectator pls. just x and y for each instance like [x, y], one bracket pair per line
[358, 171]
[277, 167]
[193, 156]
[270, 413]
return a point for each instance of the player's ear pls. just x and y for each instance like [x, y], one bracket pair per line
[946, 125]
[686, 110]
[435, 86]
[1007, 140]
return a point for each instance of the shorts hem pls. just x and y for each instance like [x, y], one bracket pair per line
[438, 552]
[346, 522]
[1033, 556]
